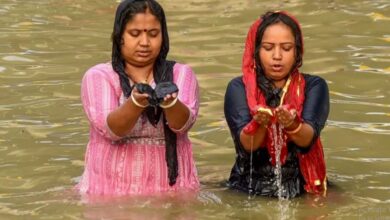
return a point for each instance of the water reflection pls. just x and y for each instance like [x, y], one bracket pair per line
[159, 207]
[47, 46]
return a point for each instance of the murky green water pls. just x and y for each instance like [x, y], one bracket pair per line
[46, 46]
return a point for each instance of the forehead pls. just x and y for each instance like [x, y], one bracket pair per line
[278, 32]
[144, 20]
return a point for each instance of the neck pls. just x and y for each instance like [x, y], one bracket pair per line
[279, 83]
[140, 74]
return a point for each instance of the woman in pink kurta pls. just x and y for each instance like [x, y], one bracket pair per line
[127, 153]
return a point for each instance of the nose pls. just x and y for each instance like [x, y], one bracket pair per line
[144, 41]
[277, 54]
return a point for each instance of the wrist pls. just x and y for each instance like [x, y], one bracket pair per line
[136, 103]
[169, 105]
[296, 130]
[295, 126]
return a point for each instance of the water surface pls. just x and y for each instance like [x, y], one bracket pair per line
[46, 46]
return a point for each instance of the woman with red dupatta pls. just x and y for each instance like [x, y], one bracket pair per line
[275, 114]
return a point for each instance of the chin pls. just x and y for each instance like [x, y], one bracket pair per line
[143, 62]
[278, 77]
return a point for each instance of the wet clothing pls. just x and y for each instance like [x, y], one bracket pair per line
[260, 94]
[134, 164]
[315, 112]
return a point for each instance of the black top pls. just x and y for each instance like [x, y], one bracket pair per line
[315, 113]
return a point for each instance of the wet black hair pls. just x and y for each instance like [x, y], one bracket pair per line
[272, 95]
[162, 69]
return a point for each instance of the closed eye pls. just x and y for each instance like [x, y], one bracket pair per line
[287, 46]
[267, 46]
[154, 32]
[134, 33]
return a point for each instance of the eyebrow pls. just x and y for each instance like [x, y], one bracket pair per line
[145, 30]
[277, 43]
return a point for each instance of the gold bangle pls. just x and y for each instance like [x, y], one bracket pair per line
[295, 130]
[137, 103]
[170, 104]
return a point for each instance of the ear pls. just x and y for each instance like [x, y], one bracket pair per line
[122, 41]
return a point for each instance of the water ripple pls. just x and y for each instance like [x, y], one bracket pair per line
[357, 96]
[361, 159]
[17, 59]
[370, 200]
[366, 127]
[44, 52]
[339, 101]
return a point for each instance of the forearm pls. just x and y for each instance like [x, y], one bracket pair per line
[122, 120]
[303, 136]
[177, 115]
[252, 143]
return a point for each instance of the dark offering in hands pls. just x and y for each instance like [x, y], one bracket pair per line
[156, 96]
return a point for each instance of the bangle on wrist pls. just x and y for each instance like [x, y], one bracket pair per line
[137, 103]
[296, 130]
[293, 124]
[169, 105]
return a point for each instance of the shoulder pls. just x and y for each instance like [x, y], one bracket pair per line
[313, 81]
[102, 74]
[183, 75]
[235, 91]
[235, 103]
[236, 84]
[180, 68]
[102, 70]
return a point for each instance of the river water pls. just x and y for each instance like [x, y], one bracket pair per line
[46, 46]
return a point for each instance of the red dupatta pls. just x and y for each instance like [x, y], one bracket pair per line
[312, 163]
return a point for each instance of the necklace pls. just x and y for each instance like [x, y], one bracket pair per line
[145, 81]
[147, 77]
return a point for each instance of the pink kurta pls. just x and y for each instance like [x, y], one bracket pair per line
[136, 163]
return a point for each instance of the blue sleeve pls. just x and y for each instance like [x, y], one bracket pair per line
[236, 110]
[316, 106]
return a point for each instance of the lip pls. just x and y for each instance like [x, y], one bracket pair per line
[143, 53]
[277, 67]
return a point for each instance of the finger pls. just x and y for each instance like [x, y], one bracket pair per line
[286, 113]
[259, 114]
[140, 96]
[281, 112]
[277, 110]
[293, 112]
[167, 97]
[174, 95]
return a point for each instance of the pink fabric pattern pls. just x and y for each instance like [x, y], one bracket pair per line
[134, 164]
